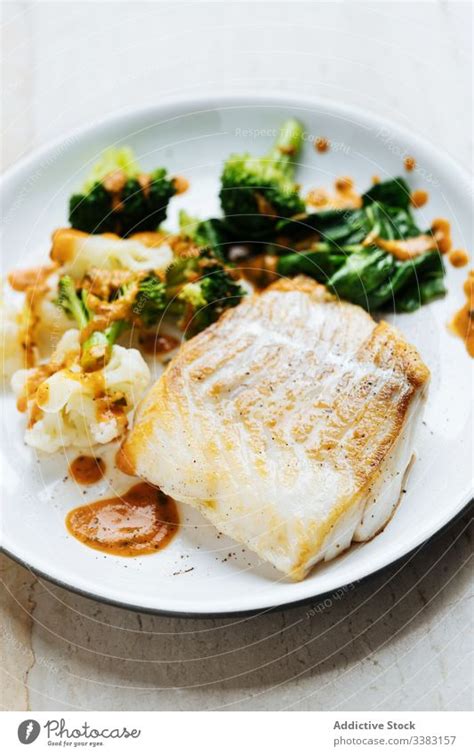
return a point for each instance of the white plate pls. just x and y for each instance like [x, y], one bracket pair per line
[201, 573]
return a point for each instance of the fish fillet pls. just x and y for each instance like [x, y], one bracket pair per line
[289, 424]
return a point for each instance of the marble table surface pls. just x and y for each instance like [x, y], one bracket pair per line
[401, 640]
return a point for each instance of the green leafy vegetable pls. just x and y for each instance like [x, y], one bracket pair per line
[320, 262]
[349, 258]
[394, 193]
[371, 277]
[353, 226]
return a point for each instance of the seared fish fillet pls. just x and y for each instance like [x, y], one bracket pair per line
[288, 423]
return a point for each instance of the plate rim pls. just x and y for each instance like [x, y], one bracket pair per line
[248, 612]
[246, 98]
[206, 102]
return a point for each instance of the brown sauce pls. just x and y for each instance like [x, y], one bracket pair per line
[124, 462]
[263, 205]
[21, 280]
[86, 470]
[441, 230]
[114, 183]
[344, 184]
[318, 198]
[419, 197]
[406, 249]
[260, 271]
[141, 521]
[345, 196]
[321, 144]
[65, 242]
[149, 238]
[462, 323]
[144, 182]
[153, 343]
[106, 283]
[181, 184]
[458, 257]
[33, 382]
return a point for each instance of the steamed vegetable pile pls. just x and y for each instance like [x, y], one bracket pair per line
[116, 272]
[374, 255]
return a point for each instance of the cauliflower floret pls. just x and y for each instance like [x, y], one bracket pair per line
[73, 408]
[31, 330]
[50, 322]
[13, 348]
[78, 252]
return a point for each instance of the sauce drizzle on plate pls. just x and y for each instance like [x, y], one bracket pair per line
[141, 521]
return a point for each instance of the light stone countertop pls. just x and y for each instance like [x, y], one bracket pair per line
[402, 639]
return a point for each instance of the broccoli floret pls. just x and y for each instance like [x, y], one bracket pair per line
[115, 158]
[146, 209]
[212, 233]
[258, 191]
[208, 298]
[199, 289]
[118, 198]
[96, 349]
[150, 301]
[70, 302]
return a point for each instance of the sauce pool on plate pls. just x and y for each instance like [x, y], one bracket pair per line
[462, 323]
[141, 521]
[156, 343]
[86, 470]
